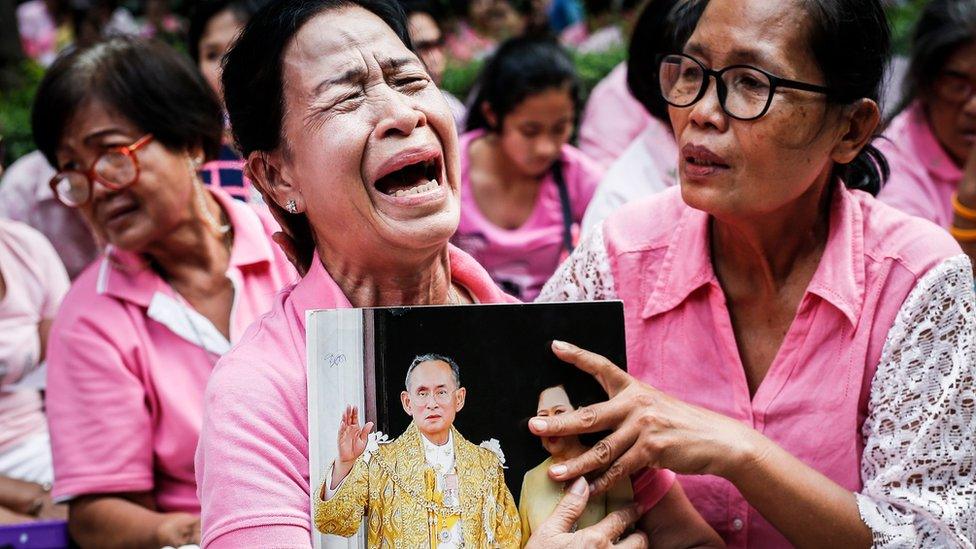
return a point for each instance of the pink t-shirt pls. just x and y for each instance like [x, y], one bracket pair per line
[923, 176]
[35, 282]
[252, 462]
[522, 260]
[612, 119]
[813, 400]
[128, 363]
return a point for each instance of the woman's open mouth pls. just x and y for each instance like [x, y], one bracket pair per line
[412, 179]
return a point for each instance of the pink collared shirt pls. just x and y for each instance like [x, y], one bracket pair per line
[128, 363]
[252, 462]
[923, 176]
[892, 294]
[612, 119]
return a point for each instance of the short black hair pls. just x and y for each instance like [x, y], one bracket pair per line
[252, 82]
[943, 28]
[204, 11]
[851, 44]
[521, 67]
[663, 27]
[149, 83]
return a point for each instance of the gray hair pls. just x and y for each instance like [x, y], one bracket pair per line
[434, 357]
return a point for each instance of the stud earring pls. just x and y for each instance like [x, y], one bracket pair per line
[291, 207]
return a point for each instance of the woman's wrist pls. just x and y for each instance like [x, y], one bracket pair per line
[749, 452]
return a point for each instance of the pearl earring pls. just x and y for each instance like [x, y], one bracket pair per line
[291, 207]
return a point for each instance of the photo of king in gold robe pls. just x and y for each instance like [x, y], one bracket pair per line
[430, 487]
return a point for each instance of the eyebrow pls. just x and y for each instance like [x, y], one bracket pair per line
[97, 135]
[739, 56]
[358, 74]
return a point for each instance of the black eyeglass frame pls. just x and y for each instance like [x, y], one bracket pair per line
[775, 82]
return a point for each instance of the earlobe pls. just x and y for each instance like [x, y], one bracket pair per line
[405, 401]
[862, 122]
[459, 399]
[266, 174]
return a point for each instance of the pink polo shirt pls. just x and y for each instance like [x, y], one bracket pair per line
[923, 176]
[522, 260]
[252, 462]
[128, 363]
[34, 282]
[813, 400]
[612, 119]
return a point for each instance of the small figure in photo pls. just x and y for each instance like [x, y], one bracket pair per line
[540, 494]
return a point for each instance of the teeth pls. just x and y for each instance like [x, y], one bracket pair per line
[429, 186]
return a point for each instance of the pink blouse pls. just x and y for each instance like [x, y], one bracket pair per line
[892, 294]
[613, 118]
[521, 260]
[252, 461]
[128, 361]
[923, 176]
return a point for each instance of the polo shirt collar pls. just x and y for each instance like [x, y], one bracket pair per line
[127, 275]
[838, 280]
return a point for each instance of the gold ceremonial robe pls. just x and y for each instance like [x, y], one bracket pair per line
[390, 487]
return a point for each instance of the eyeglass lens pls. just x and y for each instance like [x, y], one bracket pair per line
[114, 169]
[746, 95]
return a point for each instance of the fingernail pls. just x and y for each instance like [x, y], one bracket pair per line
[558, 470]
[560, 345]
[578, 487]
[538, 424]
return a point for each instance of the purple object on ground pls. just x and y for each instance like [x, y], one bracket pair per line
[35, 535]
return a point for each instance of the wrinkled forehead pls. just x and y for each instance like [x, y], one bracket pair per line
[336, 41]
[754, 32]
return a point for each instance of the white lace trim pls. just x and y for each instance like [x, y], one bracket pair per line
[919, 461]
[585, 275]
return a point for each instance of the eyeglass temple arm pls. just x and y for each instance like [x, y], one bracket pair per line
[795, 84]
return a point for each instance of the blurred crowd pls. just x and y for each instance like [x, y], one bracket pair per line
[136, 248]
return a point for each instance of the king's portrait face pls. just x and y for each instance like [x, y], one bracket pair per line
[433, 399]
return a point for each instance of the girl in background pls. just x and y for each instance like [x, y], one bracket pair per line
[524, 188]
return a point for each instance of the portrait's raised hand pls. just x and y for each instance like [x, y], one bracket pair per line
[557, 531]
[351, 441]
[649, 429]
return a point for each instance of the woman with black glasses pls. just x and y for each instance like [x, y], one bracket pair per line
[803, 356]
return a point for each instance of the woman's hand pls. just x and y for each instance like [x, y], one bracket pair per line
[177, 529]
[557, 530]
[352, 443]
[650, 429]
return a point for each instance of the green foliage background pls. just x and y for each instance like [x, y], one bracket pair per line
[15, 104]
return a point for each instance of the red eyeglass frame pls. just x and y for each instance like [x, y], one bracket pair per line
[91, 176]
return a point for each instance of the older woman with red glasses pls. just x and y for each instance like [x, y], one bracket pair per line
[803, 355]
[185, 270]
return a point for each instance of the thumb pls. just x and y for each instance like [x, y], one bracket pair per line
[569, 509]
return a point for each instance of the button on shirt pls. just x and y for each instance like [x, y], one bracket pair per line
[128, 362]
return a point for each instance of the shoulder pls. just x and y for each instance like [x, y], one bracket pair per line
[267, 357]
[27, 243]
[579, 165]
[914, 243]
[86, 304]
[645, 224]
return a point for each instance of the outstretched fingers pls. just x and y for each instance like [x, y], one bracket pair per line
[616, 523]
[597, 417]
[610, 377]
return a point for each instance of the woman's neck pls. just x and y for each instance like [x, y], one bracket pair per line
[421, 280]
[766, 249]
[487, 154]
[195, 247]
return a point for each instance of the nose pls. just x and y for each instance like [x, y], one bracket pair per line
[969, 107]
[707, 111]
[398, 116]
